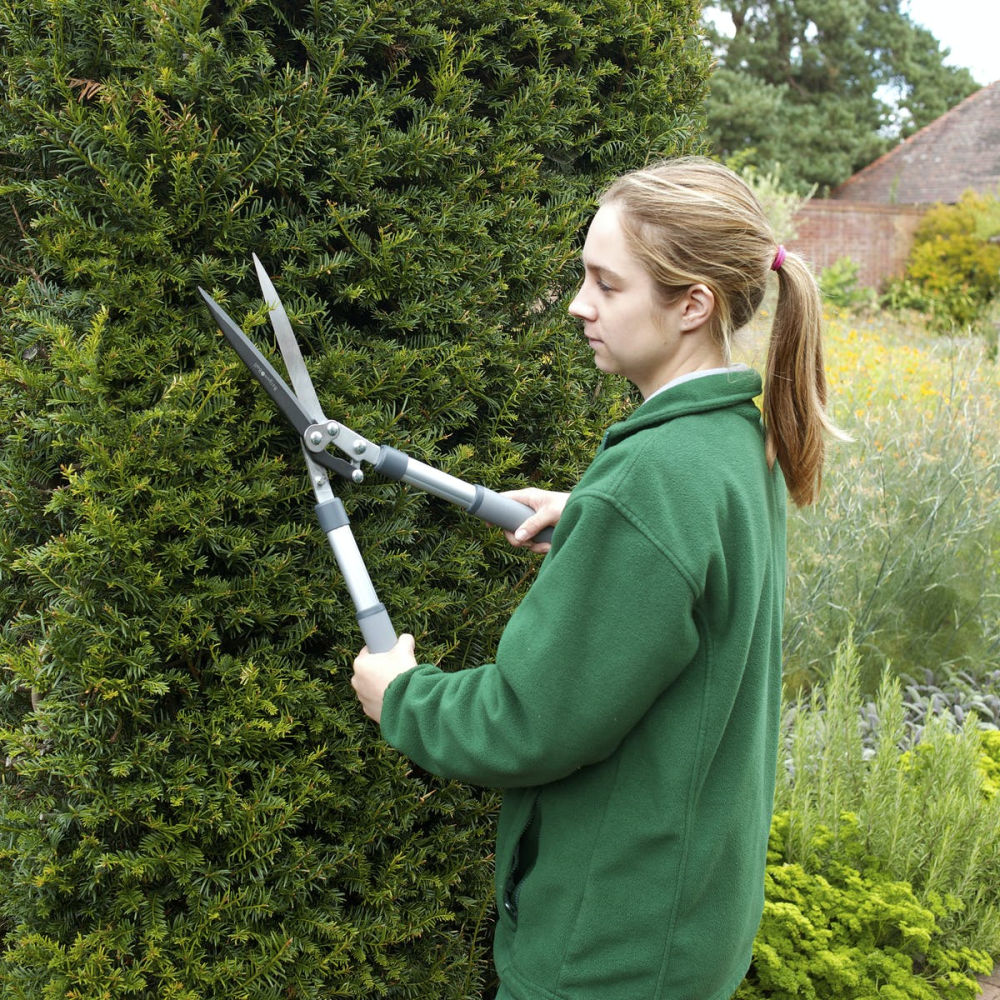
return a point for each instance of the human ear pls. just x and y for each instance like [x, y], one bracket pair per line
[698, 307]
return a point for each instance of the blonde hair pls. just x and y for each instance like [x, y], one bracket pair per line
[693, 221]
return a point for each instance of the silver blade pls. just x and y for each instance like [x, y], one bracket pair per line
[294, 363]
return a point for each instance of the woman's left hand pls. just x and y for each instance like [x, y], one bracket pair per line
[373, 672]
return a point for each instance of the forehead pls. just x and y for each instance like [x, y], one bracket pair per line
[606, 247]
[605, 232]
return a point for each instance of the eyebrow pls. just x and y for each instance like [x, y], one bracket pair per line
[601, 269]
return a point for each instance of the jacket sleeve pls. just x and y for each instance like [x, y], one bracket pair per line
[608, 624]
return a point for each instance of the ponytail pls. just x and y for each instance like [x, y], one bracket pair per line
[795, 420]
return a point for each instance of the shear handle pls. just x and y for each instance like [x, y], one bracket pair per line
[477, 500]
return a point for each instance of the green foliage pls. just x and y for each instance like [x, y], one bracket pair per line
[975, 214]
[192, 805]
[839, 284]
[924, 819]
[822, 88]
[851, 935]
[953, 271]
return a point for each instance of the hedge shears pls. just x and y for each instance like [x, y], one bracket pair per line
[317, 434]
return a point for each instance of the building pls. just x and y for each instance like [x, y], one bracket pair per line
[873, 215]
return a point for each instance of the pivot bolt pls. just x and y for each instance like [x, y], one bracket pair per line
[316, 437]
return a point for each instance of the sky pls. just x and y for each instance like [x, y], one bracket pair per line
[970, 28]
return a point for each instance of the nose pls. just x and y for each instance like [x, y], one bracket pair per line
[581, 307]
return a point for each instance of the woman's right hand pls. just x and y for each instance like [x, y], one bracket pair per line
[548, 507]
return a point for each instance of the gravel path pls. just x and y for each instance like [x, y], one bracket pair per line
[991, 985]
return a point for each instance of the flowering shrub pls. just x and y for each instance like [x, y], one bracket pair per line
[953, 272]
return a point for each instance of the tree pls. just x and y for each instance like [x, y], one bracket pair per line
[191, 804]
[822, 87]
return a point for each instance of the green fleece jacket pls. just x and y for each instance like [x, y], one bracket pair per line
[632, 713]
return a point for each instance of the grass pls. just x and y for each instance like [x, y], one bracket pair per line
[901, 551]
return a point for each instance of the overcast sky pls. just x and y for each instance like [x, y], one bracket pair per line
[970, 28]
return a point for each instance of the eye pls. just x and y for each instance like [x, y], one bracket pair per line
[600, 279]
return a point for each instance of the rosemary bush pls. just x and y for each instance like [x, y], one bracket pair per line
[881, 864]
[191, 803]
[928, 817]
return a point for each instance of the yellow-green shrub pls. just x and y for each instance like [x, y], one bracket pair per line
[953, 272]
[990, 762]
[852, 934]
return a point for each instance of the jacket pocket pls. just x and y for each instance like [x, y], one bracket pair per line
[517, 847]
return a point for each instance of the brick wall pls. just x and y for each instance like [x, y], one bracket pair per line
[876, 237]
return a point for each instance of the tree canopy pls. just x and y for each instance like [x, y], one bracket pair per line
[822, 87]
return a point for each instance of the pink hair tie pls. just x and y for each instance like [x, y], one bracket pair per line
[779, 258]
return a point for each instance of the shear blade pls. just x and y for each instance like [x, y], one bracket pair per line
[294, 363]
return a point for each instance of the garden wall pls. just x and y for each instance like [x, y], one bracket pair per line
[876, 237]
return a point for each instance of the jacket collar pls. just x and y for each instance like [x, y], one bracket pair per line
[700, 395]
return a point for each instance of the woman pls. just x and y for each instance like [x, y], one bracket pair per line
[631, 716]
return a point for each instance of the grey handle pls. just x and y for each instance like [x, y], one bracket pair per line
[476, 500]
[505, 512]
[370, 612]
[377, 629]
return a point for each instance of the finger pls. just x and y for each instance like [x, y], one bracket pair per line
[531, 496]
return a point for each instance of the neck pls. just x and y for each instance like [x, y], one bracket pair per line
[697, 362]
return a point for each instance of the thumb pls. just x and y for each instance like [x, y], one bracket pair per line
[529, 527]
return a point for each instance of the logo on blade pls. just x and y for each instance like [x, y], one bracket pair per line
[265, 376]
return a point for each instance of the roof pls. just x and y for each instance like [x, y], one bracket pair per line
[958, 151]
